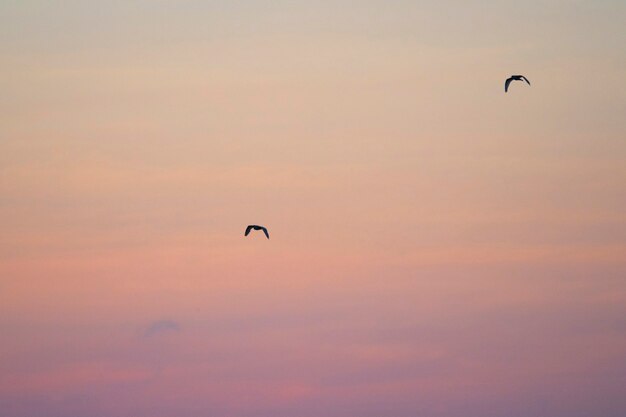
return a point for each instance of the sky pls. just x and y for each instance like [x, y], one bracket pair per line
[438, 247]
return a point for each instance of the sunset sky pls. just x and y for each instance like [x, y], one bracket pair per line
[438, 248]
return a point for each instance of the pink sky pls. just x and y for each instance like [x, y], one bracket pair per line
[438, 247]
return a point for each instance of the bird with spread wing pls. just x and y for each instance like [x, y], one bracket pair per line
[256, 227]
[514, 78]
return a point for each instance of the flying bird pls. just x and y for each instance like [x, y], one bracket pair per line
[514, 78]
[255, 227]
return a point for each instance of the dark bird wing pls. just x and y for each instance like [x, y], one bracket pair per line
[526, 79]
[248, 230]
[506, 84]
[266, 233]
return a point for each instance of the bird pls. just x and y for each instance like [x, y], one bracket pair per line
[256, 227]
[514, 78]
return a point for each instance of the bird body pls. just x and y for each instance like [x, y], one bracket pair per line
[256, 227]
[514, 78]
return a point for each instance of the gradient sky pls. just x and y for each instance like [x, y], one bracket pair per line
[438, 248]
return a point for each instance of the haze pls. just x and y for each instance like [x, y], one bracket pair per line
[439, 248]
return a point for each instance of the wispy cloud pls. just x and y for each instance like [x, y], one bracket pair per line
[162, 326]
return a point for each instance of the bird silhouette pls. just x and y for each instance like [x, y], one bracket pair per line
[256, 227]
[514, 78]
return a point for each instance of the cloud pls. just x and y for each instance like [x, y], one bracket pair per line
[161, 326]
